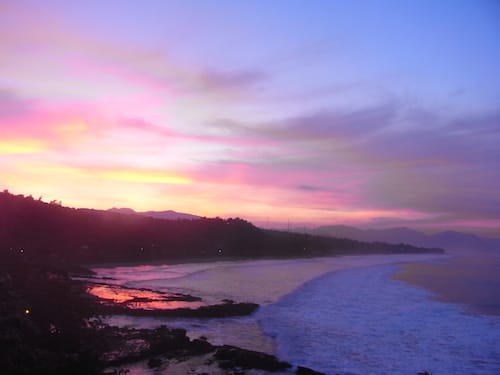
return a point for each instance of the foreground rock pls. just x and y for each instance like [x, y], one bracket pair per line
[307, 371]
[233, 357]
[161, 344]
[38, 336]
[171, 350]
[132, 345]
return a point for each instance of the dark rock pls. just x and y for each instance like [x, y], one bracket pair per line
[233, 357]
[200, 346]
[154, 362]
[139, 344]
[167, 340]
[209, 361]
[307, 371]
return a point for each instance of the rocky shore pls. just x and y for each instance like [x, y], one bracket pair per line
[171, 350]
[50, 324]
[120, 300]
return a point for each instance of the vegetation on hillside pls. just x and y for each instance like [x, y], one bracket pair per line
[38, 229]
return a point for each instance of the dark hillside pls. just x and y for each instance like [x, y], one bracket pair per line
[38, 229]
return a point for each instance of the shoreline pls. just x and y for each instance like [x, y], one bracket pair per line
[270, 279]
[347, 263]
[276, 278]
[313, 268]
[190, 261]
[203, 260]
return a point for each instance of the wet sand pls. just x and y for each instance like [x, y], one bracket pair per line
[472, 280]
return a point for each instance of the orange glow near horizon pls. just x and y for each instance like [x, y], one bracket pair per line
[21, 146]
[145, 177]
[71, 130]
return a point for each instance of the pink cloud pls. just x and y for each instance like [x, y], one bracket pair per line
[169, 133]
[56, 126]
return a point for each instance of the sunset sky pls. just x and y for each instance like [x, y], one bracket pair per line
[368, 113]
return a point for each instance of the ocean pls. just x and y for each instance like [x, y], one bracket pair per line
[361, 321]
[342, 315]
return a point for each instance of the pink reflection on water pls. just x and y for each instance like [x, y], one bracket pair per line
[141, 299]
[165, 305]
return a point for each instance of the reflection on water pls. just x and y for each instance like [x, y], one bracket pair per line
[142, 299]
[471, 279]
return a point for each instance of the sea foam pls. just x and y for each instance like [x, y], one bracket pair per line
[360, 321]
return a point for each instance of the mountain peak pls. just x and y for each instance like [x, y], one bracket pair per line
[122, 210]
[165, 215]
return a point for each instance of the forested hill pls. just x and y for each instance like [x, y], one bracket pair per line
[35, 229]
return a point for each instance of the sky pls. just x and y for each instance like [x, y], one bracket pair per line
[375, 113]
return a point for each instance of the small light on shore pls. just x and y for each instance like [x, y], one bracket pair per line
[27, 311]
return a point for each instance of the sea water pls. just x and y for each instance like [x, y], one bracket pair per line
[337, 315]
[360, 321]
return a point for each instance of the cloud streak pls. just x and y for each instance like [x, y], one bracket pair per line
[428, 166]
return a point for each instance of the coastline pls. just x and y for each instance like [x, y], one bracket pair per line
[259, 278]
[258, 281]
[286, 275]
[201, 260]
[422, 267]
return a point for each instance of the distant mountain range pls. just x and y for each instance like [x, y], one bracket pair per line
[449, 240]
[165, 215]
